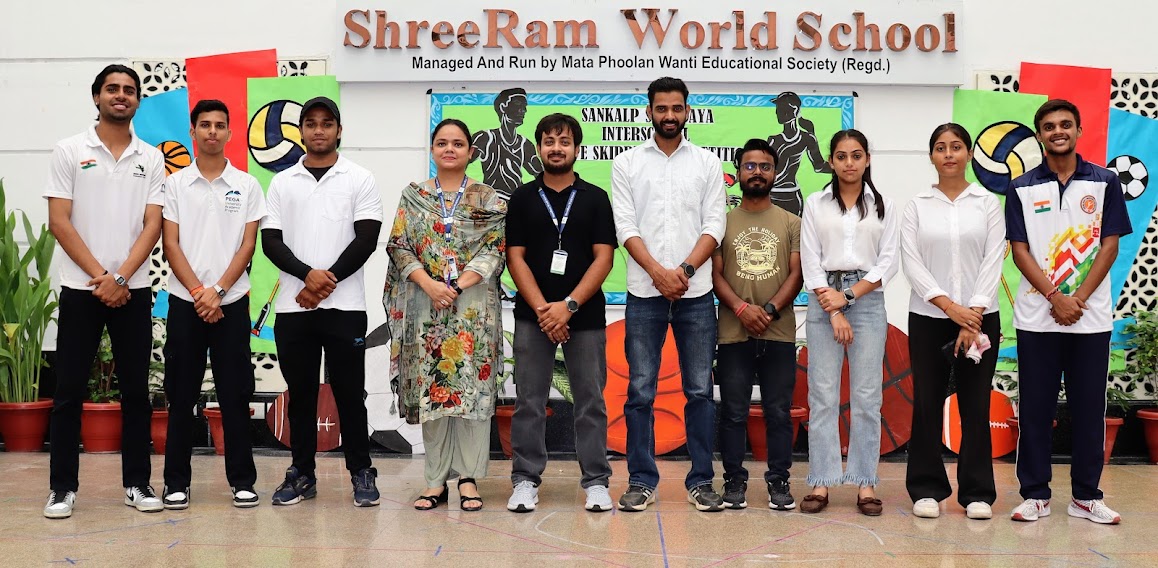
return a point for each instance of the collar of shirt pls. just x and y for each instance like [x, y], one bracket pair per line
[651, 144]
[577, 184]
[972, 190]
[869, 196]
[94, 141]
[340, 167]
[228, 175]
[1042, 173]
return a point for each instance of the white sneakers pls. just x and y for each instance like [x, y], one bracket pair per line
[143, 498]
[979, 510]
[1031, 510]
[1095, 510]
[60, 505]
[524, 498]
[598, 499]
[927, 508]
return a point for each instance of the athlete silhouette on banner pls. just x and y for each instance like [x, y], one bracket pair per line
[504, 152]
[797, 138]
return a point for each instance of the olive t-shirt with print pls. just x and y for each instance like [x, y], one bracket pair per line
[755, 250]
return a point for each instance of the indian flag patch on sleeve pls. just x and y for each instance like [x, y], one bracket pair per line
[1041, 206]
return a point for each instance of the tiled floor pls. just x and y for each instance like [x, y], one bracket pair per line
[329, 531]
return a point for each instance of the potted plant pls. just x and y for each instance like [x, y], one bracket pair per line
[1141, 367]
[27, 305]
[1008, 381]
[212, 413]
[100, 425]
[159, 428]
[505, 412]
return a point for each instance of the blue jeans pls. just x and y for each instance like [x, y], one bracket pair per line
[825, 360]
[693, 322]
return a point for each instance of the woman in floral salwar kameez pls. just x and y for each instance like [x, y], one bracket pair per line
[442, 302]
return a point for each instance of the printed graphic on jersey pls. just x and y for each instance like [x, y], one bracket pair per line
[756, 254]
[1071, 256]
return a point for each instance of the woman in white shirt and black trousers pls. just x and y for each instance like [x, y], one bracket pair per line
[848, 251]
[953, 244]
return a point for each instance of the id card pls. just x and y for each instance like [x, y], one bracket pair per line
[559, 262]
[451, 268]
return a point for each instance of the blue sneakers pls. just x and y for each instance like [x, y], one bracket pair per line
[365, 492]
[295, 488]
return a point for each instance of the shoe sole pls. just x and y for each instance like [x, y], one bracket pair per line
[298, 499]
[176, 506]
[367, 503]
[637, 508]
[1019, 517]
[157, 509]
[596, 508]
[245, 504]
[787, 507]
[705, 508]
[927, 514]
[736, 506]
[48, 515]
[1082, 514]
[979, 516]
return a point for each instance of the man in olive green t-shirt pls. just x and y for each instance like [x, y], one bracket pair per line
[756, 275]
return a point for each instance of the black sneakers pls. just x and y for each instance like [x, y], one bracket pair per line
[778, 496]
[295, 488]
[244, 497]
[735, 494]
[637, 498]
[175, 498]
[705, 498]
[365, 491]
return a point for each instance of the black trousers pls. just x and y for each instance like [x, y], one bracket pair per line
[301, 337]
[81, 320]
[188, 340]
[926, 475]
[1043, 358]
[772, 365]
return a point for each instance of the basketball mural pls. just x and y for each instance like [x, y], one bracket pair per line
[896, 386]
[176, 155]
[670, 432]
[1002, 437]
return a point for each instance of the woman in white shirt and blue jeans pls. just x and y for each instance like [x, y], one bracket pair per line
[848, 252]
[953, 244]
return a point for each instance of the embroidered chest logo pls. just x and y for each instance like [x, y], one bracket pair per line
[89, 163]
[756, 250]
[1089, 204]
[1041, 206]
[232, 201]
[139, 171]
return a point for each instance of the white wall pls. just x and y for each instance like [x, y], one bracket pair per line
[49, 54]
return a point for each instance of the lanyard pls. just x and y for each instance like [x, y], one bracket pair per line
[448, 216]
[559, 225]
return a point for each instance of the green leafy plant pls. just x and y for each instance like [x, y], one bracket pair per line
[102, 380]
[1142, 365]
[559, 378]
[27, 305]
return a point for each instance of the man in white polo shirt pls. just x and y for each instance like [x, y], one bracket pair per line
[1063, 219]
[104, 208]
[212, 210]
[324, 218]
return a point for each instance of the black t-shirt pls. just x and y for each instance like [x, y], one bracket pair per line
[589, 223]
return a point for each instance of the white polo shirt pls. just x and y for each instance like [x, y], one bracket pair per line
[316, 218]
[108, 200]
[211, 219]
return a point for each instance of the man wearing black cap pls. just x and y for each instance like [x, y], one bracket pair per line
[324, 215]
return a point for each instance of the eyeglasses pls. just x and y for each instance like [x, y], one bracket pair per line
[751, 166]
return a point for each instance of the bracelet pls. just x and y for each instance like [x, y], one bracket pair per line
[1049, 297]
[741, 309]
[834, 314]
[194, 291]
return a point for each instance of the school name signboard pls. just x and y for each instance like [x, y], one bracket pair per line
[814, 41]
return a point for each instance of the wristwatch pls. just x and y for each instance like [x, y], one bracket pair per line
[572, 305]
[220, 291]
[849, 296]
[454, 286]
[120, 280]
[771, 310]
[689, 270]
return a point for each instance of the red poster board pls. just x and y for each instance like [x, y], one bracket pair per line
[1086, 87]
[223, 77]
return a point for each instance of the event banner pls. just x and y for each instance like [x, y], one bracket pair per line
[275, 144]
[812, 41]
[798, 127]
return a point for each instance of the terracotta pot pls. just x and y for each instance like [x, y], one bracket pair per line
[1149, 417]
[159, 430]
[1112, 425]
[503, 415]
[757, 434]
[100, 427]
[23, 424]
[216, 430]
[1012, 421]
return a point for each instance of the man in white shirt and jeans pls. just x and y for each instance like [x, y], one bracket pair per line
[212, 211]
[104, 208]
[324, 218]
[668, 201]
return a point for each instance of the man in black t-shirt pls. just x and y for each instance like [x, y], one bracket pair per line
[559, 251]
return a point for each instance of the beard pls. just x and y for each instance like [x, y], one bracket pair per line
[760, 191]
[556, 170]
[659, 129]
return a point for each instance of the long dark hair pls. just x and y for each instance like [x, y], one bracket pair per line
[866, 179]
